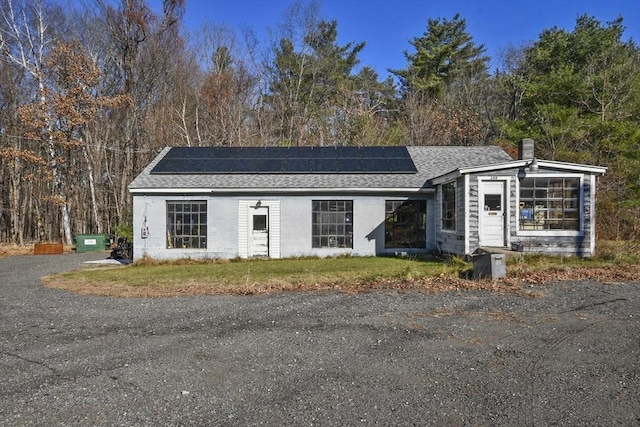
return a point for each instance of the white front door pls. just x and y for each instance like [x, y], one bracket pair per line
[492, 213]
[259, 234]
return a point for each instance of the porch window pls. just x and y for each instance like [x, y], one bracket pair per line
[332, 224]
[550, 203]
[449, 206]
[187, 224]
[405, 223]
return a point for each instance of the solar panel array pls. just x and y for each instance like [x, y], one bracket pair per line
[283, 160]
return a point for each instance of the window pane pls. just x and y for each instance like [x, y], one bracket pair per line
[492, 202]
[553, 205]
[259, 222]
[571, 224]
[449, 206]
[187, 224]
[405, 224]
[331, 223]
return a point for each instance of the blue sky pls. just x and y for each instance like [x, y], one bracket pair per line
[387, 25]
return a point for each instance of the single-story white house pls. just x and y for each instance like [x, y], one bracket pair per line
[278, 202]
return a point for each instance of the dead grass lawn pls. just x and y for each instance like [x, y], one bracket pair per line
[520, 281]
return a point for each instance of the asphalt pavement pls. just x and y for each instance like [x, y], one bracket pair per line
[570, 356]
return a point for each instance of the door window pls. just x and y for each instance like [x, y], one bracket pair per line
[493, 202]
[259, 223]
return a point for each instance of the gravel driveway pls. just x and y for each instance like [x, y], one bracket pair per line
[569, 357]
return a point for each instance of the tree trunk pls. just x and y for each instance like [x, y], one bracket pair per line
[92, 189]
[16, 227]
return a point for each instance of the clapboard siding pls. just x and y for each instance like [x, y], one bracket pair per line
[473, 213]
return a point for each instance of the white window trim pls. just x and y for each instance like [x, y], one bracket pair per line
[467, 236]
[533, 233]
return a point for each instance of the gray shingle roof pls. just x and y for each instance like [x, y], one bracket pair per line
[431, 162]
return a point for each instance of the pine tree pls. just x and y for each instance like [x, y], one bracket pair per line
[443, 55]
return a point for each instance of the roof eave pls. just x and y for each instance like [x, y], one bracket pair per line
[598, 170]
[270, 190]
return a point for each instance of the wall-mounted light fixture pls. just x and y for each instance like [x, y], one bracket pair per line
[532, 167]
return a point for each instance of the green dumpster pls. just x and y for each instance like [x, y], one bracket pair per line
[91, 242]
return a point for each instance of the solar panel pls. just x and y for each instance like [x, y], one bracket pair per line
[324, 152]
[350, 152]
[398, 163]
[378, 152]
[298, 165]
[283, 160]
[377, 165]
[350, 165]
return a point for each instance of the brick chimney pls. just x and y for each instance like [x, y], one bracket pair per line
[526, 149]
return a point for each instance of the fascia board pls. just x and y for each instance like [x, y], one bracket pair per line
[278, 190]
[572, 166]
[519, 164]
[497, 166]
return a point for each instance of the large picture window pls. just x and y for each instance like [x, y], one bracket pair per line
[332, 224]
[550, 204]
[449, 206]
[187, 224]
[405, 224]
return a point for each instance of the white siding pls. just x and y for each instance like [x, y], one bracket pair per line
[243, 227]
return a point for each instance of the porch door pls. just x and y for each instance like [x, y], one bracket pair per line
[493, 214]
[259, 232]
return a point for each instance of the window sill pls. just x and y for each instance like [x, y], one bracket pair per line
[186, 249]
[558, 233]
[332, 247]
